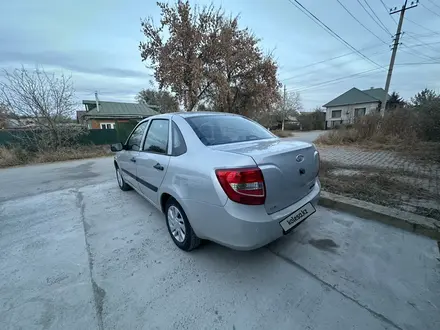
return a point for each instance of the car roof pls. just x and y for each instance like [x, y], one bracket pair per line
[203, 113]
[190, 114]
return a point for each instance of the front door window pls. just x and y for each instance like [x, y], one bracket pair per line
[134, 142]
[157, 137]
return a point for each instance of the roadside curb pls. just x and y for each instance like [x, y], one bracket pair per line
[404, 220]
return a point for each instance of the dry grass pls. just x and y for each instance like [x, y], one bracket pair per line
[283, 134]
[16, 156]
[395, 128]
[398, 131]
[377, 186]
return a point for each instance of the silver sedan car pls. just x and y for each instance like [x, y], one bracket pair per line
[219, 177]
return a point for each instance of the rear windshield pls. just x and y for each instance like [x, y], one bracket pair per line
[221, 129]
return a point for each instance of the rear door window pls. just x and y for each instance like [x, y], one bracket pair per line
[221, 129]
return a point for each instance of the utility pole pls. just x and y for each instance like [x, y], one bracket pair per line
[284, 107]
[396, 44]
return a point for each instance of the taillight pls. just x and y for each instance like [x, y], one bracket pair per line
[243, 185]
[319, 161]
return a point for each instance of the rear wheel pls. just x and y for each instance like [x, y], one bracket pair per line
[121, 182]
[179, 228]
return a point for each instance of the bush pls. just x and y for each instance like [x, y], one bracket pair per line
[291, 126]
[338, 136]
[405, 125]
[13, 156]
[312, 121]
[428, 121]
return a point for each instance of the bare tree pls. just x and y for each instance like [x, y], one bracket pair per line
[44, 99]
[3, 116]
[289, 106]
[266, 117]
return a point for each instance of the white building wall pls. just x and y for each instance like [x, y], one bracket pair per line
[348, 111]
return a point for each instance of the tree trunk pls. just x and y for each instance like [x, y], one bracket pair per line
[282, 125]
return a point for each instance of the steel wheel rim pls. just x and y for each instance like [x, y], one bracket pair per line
[119, 177]
[176, 223]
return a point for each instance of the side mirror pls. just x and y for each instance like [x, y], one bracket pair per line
[116, 147]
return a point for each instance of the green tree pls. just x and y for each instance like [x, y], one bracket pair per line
[395, 101]
[427, 111]
[201, 54]
[425, 97]
[163, 100]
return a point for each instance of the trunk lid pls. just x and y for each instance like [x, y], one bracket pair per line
[289, 168]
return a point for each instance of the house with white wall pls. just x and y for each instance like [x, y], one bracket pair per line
[352, 104]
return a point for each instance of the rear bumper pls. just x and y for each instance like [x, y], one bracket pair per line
[242, 227]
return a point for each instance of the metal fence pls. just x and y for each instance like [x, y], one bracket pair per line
[93, 136]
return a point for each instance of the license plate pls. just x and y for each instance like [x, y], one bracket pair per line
[297, 217]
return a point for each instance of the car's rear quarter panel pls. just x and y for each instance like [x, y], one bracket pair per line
[191, 178]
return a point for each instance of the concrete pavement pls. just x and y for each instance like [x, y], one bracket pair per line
[307, 136]
[37, 179]
[78, 253]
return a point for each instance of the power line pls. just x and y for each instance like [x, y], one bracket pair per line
[358, 74]
[329, 82]
[425, 28]
[331, 59]
[375, 15]
[382, 27]
[417, 53]
[421, 42]
[430, 10]
[315, 19]
[349, 12]
[434, 3]
[425, 35]
[388, 11]
[417, 63]
[422, 55]
[319, 62]
[314, 71]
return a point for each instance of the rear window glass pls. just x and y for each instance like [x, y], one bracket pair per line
[221, 129]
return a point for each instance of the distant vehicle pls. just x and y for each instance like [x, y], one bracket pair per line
[220, 177]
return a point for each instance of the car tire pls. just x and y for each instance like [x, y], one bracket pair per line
[177, 222]
[121, 182]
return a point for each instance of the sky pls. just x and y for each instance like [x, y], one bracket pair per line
[96, 42]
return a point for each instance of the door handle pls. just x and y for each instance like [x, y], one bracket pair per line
[133, 160]
[158, 167]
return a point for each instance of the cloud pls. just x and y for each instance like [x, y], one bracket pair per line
[86, 62]
[99, 46]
